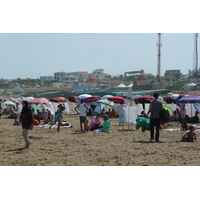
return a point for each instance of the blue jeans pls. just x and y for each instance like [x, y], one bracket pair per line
[121, 118]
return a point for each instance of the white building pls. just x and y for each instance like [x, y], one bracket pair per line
[63, 77]
[98, 74]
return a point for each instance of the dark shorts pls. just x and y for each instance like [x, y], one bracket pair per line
[82, 119]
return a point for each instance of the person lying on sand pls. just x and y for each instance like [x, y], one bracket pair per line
[185, 127]
[189, 136]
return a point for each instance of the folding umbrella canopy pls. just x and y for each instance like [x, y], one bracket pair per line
[39, 101]
[83, 96]
[23, 99]
[172, 98]
[192, 99]
[144, 99]
[107, 95]
[9, 103]
[91, 99]
[58, 99]
[116, 99]
[13, 100]
[106, 102]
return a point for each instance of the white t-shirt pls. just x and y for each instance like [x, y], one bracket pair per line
[83, 110]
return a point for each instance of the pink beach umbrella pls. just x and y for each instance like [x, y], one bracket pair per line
[39, 101]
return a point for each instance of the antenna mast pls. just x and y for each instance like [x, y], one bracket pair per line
[195, 56]
[159, 44]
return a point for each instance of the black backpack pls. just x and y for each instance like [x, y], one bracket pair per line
[164, 116]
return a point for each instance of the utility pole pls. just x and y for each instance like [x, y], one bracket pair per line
[159, 44]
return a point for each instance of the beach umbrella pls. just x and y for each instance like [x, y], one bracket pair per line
[91, 99]
[83, 96]
[191, 99]
[13, 100]
[22, 99]
[106, 96]
[9, 103]
[144, 99]
[135, 96]
[116, 99]
[172, 98]
[39, 101]
[58, 99]
[105, 102]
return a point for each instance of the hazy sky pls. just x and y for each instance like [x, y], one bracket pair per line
[30, 55]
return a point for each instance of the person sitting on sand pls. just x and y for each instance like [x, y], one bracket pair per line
[194, 119]
[113, 113]
[95, 123]
[189, 136]
[143, 114]
[106, 124]
[58, 118]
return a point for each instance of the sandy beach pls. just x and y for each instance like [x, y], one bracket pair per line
[124, 146]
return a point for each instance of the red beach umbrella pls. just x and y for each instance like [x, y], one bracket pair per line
[144, 99]
[91, 99]
[116, 99]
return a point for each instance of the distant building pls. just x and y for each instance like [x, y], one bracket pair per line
[63, 77]
[59, 85]
[46, 78]
[82, 76]
[98, 74]
[173, 74]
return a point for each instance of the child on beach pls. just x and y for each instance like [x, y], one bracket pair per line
[87, 127]
[190, 136]
[58, 118]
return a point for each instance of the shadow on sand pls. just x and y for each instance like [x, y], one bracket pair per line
[147, 142]
[18, 149]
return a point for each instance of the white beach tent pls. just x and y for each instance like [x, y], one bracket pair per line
[130, 85]
[121, 85]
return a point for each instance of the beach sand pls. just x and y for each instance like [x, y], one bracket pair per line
[70, 147]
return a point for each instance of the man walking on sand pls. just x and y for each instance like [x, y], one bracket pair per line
[154, 108]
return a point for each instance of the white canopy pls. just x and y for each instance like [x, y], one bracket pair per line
[130, 85]
[191, 84]
[121, 85]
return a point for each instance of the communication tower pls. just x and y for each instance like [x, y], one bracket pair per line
[195, 56]
[159, 44]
